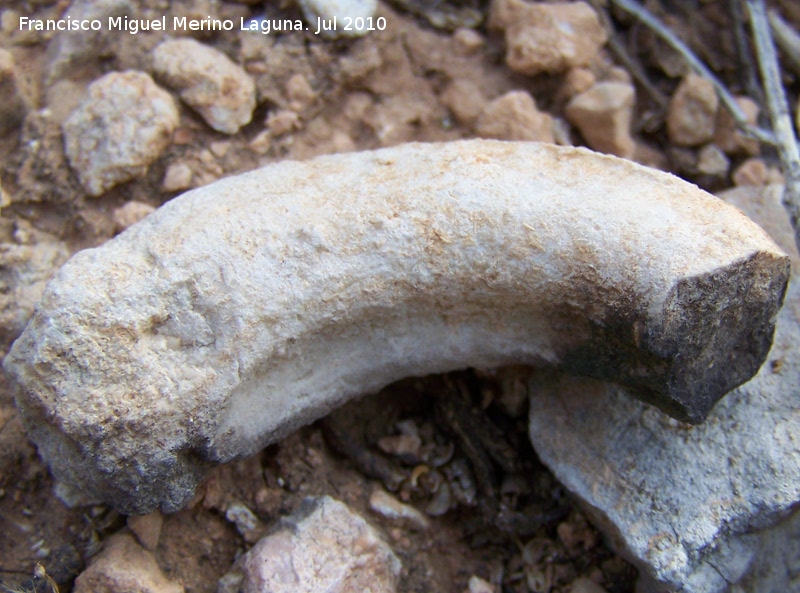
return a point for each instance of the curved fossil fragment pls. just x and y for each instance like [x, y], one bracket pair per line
[242, 310]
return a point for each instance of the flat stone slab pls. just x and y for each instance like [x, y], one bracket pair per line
[243, 310]
[696, 508]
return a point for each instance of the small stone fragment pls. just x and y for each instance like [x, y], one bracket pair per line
[727, 135]
[692, 112]
[388, 506]
[603, 116]
[464, 99]
[712, 161]
[514, 116]
[261, 143]
[300, 93]
[27, 262]
[478, 585]
[119, 130]
[124, 565]
[241, 516]
[548, 37]
[751, 172]
[147, 529]
[324, 546]
[577, 81]
[319, 13]
[177, 177]
[130, 213]
[468, 41]
[283, 122]
[13, 104]
[208, 81]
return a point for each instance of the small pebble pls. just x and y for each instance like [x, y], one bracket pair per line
[584, 585]
[147, 529]
[177, 177]
[514, 116]
[751, 172]
[711, 160]
[388, 506]
[122, 127]
[208, 81]
[478, 585]
[241, 516]
[727, 135]
[603, 115]
[548, 37]
[692, 112]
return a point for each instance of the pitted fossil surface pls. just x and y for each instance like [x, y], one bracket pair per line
[247, 308]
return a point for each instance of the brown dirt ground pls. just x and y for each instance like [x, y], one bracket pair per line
[381, 90]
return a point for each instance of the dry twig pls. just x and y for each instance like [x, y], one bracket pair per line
[647, 18]
[778, 110]
[786, 38]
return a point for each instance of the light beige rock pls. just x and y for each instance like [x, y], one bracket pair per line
[130, 213]
[208, 81]
[514, 116]
[177, 177]
[577, 81]
[323, 547]
[25, 267]
[464, 99]
[603, 116]
[544, 37]
[341, 10]
[712, 161]
[751, 172]
[584, 585]
[692, 112]
[726, 134]
[147, 529]
[478, 585]
[386, 505]
[122, 127]
[242, 310]
[124, 566]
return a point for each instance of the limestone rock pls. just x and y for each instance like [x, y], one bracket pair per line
[323, 547]
[514, 116]
[242, 310]
[26, 264]
[124, 565]
[544, 37]
[696, 508]
[119, 130]
[692, 112]
[208, 81]
[603, 115]
[327, 10]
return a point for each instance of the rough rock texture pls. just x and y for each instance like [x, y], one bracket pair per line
[208, 81]
[130, 213]
[464, 99]
[514, 116]
[244, 309]
[124, 566]
[692, 112]
[603, 116]
[691, 506]
[548, 37]
[119, 130]
[71, 51]
[27, 262]
[341, 10]
[13, 104]
[323, 547]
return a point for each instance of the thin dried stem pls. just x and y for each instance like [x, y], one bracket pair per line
[786, 38]
[778, 110]
[648, 19]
